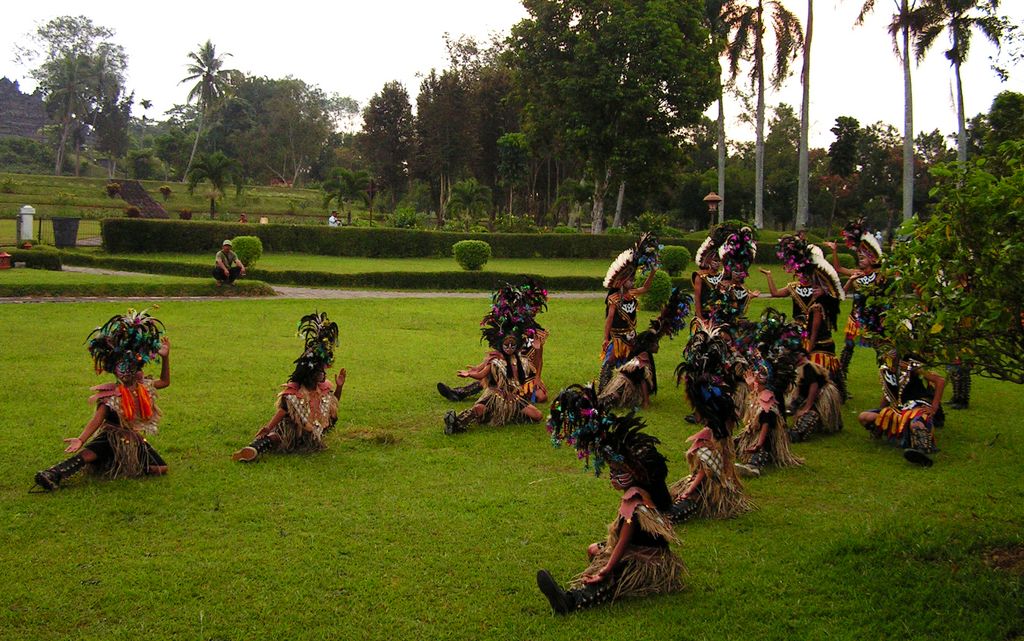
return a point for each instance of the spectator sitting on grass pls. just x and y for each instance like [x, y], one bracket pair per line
[228, 267]
[333, 220]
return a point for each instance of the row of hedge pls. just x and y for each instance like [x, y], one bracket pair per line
[117, 289]
[435, 281]
[37, 258]
[126, 235]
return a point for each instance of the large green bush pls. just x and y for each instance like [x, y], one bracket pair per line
[248, 248]
[471, 254]
[657, 295]
[675, 258]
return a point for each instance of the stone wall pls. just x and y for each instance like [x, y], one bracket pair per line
[22, 115]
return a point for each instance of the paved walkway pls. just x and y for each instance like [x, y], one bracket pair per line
[283, 292]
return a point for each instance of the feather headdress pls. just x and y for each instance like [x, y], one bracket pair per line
[737, 253]
[125, 343]
[856, 235]
[707, 372]
[513, 312]
[808, 263]
[320, 335]
[644, 254]
[715, 239]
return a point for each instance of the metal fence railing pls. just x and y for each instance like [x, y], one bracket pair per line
[42, 231]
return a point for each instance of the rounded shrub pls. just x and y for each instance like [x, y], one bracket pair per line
[132, 212]
[675, 258]
[248, 248]
[657, 295]
[471, 254]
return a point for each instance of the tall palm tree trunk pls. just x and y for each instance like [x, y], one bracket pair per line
[908, 126]
[803, 182]
[759, 149]
[721, 158]
[961, 132]
[601, 181]
[195, 144]
[617, 222]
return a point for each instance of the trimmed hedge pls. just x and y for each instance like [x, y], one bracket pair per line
[658, 294]
[438, 281]
[471, 255]
[37, 258]
[121, 235]
[116, 289]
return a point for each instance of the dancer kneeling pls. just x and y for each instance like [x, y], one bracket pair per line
[814, 401]
[910, 398]
[114, 440]
[306, 407]
[634, 559]
[712, 489]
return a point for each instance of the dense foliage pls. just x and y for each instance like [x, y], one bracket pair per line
[471, 255]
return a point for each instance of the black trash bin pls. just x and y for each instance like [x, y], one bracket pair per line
[65, 232]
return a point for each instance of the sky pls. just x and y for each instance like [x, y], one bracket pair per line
[353, 48]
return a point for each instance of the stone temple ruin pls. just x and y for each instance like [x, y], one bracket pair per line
[22, 115]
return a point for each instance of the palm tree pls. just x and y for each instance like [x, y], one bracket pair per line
[900, 28]
[748, 44]
[959, 17]
[212, 82]
[469, 198]
[803, 214]
[716, 12]
[216, 169]
[344, 186]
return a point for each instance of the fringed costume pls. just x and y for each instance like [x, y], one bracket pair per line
[764, 440]
[712, 490]
[634, 382]
[621, 303]
[634, 559]
[864, 326]
[508, 376]
[114, 442]
[306, 407]
[824, 415]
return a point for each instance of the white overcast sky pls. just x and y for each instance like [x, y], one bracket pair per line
[353, 48]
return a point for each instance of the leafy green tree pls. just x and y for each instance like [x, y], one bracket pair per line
[346, 186]
[513, 162]
[959, 18]
[614, 77]
[111, 122]
[212, 81]
[469, 200]
[444, 137]
[216, 169]
[956, 265]
[79, 68]
[748, 43]
[386, 140]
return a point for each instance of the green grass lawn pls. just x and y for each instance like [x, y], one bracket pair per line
[400, 532]
[41, 282]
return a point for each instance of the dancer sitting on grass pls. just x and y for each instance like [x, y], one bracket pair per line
[911, 395]
[508, 377]
[813, 400]
[712, 489]
[529, 298]
[114, 442]
[621, 302]
[634, 559]
[636, 380]
[307, 408]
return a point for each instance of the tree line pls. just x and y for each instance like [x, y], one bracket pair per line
[585, 114]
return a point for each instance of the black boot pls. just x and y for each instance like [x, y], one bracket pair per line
[457, 423]
[459, 393]
[51, 478]
[961, 379]
[840, 380]
[845, 358]
[682, 510]
[251, 452]
[566, 601]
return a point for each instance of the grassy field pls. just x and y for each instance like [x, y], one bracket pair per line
[39, 282]
[399, 532]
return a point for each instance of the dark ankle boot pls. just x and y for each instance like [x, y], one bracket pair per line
[51, 478]
[961, 379]
[840, 381]
[459, 393]
[845, 358]
[457, 423]
[252, 451]
[566, 601]
[682, 510]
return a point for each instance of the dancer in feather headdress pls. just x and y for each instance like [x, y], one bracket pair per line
[864, 326]
[634, 559]
[816, 295]
[712, 489]
[526, 300]
[731, 298]
[708, 276]
[306, 407]
[636, 380]
[114, 441]
[621, 302]
[508, 374]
